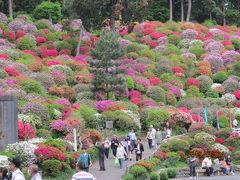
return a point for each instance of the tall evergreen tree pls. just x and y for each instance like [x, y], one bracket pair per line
[108, 77]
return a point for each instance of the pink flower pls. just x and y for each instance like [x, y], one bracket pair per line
[53, 62]
[192, 82]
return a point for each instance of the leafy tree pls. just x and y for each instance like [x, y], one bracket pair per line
[107, 75]
[158, 10]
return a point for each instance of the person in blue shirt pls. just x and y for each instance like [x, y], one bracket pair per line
[133, 138]
[86, 159]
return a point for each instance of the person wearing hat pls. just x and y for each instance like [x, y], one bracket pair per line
[14, 166]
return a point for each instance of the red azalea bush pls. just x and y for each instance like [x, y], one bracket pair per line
[29, 52]
[155, 81]
[20, 34]
[237, 94]
[53, 62]
[178, 69]
[11, 71]
[156, 35]
[25, 131]
[192, 82]
[230, 148]
[93, 135]
[219, 140]
[41, 40]
[160, 155]
[36, 66]
[148, 31]
[197, 118]
[49, 52]
[4, 56]
[47, 153]
[237, 104]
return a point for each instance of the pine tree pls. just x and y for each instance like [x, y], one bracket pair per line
[108, 77]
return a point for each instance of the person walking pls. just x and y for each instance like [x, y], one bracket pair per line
[3, 173]
[158, 137]
[154, 135]
[81, 174]
[107, 145]
[164, 133]
[192, 162]
[207, 164]
[139, 149]
[14, 166]
[125, 146]
[114, 145]
[86, 158]
[133, 138]
[150, 138]
[120, 154]
[33, 172]
[101, 154]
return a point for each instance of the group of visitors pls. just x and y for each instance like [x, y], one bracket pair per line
[155, 137]
[16, 173]
[224, 164]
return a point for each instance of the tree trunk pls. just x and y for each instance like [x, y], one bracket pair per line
[112, 22]
[182, 11]
[171, 11]
[79, 41]
[10, 2]
[189, 10]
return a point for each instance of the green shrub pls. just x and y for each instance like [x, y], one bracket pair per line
[130, 83]
[178, 145]
[51, 167]
[220, 76]
[43, 133]
[63, 45]
[204, 138]
[53, 36]
[205, 83]
[88, 114]
[200, 127]
[209, 22]
[42, 24]
[235, 69]
[193, 91]
[32, 86]
[128, 177]
[26, 43]
[197, 50]
[171, 49]
[60, 144]
[172, 173]
[138, 172]
[154, 176]
[223, 122]
[156, 93]
[135, 47]
[212, 93]
[157, 117]
[163, 175]
[174, 39]
[236, 43]
[8, 154]
[223, 133]
[47, 10]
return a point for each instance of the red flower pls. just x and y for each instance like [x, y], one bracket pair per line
[237, 94]
[65, 36]
[44, 153]
[135, 100]
[192, 82]
[148, 31]
[20, 34]
[135, 93]
[197, 118]
[49, 52]
[156, 35]
[230, 148]
[46, 31]
[225, 43]
[25, 131]
[178, 69]
[219, 140]
[153, 44]
[11, 71]
[53, 62]
[238, 104]
[29, 52]
[41, 40]
[155, 81]
[84, 50]
[176, 33]
[94, 38]
[65, 51]
[4, 56]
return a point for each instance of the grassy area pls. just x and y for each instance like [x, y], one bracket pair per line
[62, 176]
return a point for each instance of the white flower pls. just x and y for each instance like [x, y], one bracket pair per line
[221, 148]
[4, 161]
[230, 98]
[183, 93]
[134, 116]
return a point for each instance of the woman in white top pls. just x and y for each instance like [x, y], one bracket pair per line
[120, 154]
[107, 144]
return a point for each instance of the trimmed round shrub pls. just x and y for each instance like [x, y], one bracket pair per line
[139, 172]
[220, 76]
[156, 93]
[178, 145]
[154, 176]
[163, 175]
[197, 50]
[163, 66]
[200, 127]
[47, 10]
[172, 173]
[205, 83]
[157, 117]
[129, 177]
[230, 85]
[26, 43]
[204, 138]
[57, 143]
[51, 167]
[32, 86]
[212, 93]
[190, 103]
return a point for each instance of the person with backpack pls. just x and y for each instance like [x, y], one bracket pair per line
[86, 159]
[14, 167]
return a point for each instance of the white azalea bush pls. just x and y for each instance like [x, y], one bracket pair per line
[221, 148]
[4, 161]
[31, 119]
[24, 151]
[230, 98]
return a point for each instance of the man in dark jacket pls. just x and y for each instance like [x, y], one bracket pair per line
[101, 154]
[114, 145]
[138, 149]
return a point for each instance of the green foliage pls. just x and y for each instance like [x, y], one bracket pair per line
[193, 91]
[51, 167]
[197, 50]
[128, 177]
[172, 173]
[223, 122]
[212, 93]
[32, 86]
[235, 69]
[223, 133]
[205, 83]
[209, 23]
[220, 76]
[60, 144]
[157, 117]
[8, 154]
[154, 176]
[64, 45]
[174, 39]
[54, 36]
[43, 133]
[178, 145]
[156, 93]
[106, 50]
[236, 43]
[138, 172]
[158, 10]
[26, 43]
[204, 138]
[163, 175]
[88, 114]
[130, 82]
[48, 10]
[41, 24]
